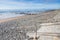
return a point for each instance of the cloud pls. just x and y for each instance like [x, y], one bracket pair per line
[35, 1]
[25, 4]
[39, 1]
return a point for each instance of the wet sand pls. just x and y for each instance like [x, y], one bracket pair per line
[15, 18]
[10, 19]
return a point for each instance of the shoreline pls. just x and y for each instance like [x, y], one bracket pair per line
[15, 18]
[9, 19]
[9, 15]
[42, 17]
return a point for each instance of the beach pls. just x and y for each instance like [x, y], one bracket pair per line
[22, 25]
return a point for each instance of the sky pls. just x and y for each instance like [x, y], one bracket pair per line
[29, 4]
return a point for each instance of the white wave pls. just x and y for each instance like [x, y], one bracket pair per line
[9, 15]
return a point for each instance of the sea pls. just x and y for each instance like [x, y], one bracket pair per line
[9, 15]
[13, 13]
[4, 14]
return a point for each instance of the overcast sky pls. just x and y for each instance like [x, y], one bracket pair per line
[29, 4]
